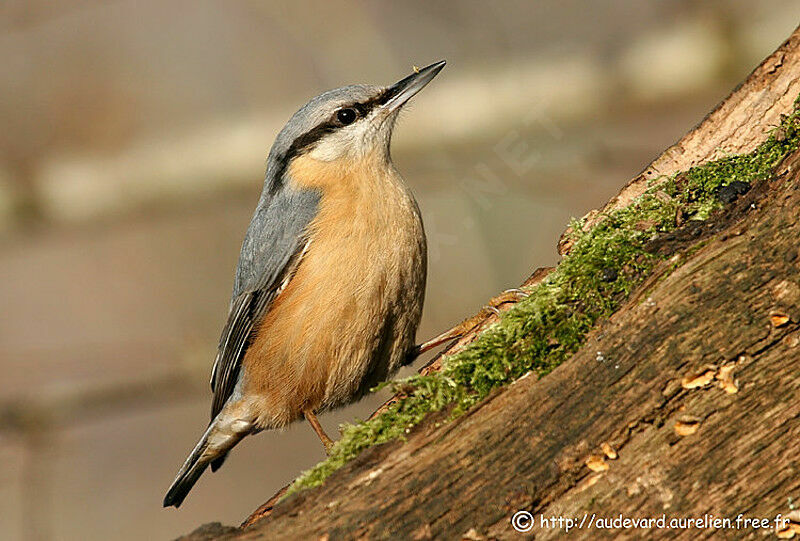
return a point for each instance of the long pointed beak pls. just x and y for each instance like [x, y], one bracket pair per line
[405, 89]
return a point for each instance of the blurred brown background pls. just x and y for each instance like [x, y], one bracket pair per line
[133, 137]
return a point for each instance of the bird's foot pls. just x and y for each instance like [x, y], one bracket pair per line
[509, 296]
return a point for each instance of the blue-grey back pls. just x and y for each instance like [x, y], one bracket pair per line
[274, 235]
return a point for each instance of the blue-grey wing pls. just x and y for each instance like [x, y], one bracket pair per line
[272, 249]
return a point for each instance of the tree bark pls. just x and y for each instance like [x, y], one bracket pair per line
[682, 404]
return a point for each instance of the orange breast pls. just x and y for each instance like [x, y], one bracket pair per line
[350, 313]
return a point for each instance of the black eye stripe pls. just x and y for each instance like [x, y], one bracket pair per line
[361, 109]
[305, 141]
[364, 108]
[299, 145]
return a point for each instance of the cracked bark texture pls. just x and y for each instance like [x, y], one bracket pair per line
[692, 384]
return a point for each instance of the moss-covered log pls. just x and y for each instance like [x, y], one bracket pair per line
[653, 370]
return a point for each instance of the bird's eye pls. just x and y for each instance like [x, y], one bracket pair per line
[346, 116]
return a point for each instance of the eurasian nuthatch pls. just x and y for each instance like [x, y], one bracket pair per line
[331, 277]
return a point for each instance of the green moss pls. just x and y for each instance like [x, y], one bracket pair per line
[536, 335]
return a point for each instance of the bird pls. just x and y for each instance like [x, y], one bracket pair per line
[330, 283]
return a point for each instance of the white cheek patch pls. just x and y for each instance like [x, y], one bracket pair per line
[354, 141]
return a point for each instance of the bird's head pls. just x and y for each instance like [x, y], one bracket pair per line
[348, 123]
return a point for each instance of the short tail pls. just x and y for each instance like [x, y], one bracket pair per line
[221, 436]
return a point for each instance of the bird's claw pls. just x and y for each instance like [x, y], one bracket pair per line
[509, 296]
[518, 292]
